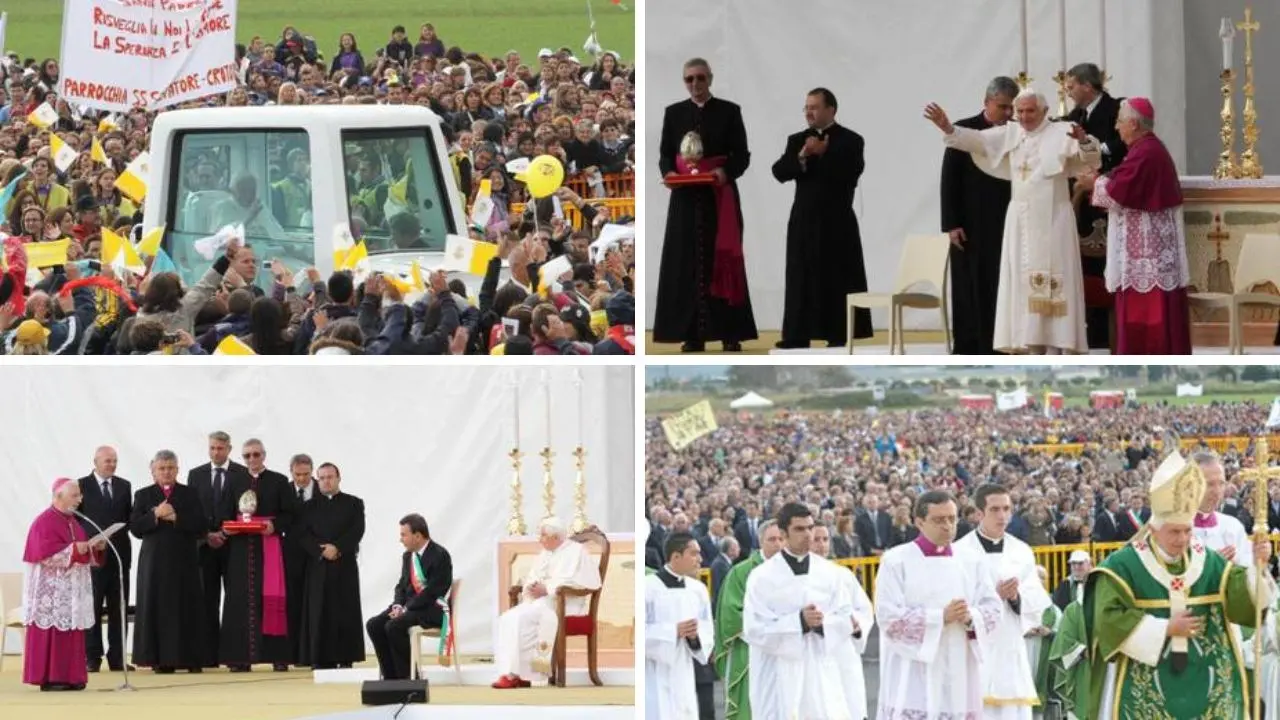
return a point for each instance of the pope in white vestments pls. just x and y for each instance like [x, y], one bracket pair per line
[935, 609]
[678, 629]
[1040, 299]
[1009, 684]
[527, 631]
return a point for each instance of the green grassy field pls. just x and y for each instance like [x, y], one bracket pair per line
[489, 27]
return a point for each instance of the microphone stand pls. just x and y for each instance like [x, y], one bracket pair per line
[124, 608]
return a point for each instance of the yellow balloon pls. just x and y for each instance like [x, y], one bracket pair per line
[544, 176]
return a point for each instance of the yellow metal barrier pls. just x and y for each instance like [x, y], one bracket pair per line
[1053, 558]
[1216, 443]
[615, 207]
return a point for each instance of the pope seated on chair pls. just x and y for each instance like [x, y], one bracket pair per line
[527, 632]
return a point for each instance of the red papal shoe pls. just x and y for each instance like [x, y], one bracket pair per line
[509, 682]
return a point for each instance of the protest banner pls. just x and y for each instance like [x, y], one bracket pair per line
[123, 54]
[689, 424]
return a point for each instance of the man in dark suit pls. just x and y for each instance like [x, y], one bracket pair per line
[873, 526]
[426, 574]
[107, 500]
[654, 548]
[747, 531]
[1131, 519]
[296, 558]
[689, 308]
[824, 245]
[1070, 588]
[212, 483]
[726, 553]
[974, 205]
[1106, 523]
[1096, 111]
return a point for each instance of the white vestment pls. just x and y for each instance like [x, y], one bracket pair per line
[1040, 300]
[1009, 681]
[794, 674]
[528, 630]
[930, 669]
[669, 689]
[1145, 250]
[1269, 674]
[849, 654]
[1229, 532]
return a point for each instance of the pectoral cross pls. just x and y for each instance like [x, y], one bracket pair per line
[1025, 169]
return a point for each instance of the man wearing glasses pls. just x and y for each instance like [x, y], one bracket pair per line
[702, 281]
[255, 616]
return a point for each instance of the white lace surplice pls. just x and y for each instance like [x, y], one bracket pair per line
[58, 594]
[1145, 250]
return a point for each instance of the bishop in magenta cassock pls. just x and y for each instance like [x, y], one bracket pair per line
[58, 594]
[1146, 247]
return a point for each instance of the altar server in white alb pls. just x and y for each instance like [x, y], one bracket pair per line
[1040, 299]
[1009, 683]
[796, 618]
[678, 629]
[849, 654]
[936, 610]
[527, 631]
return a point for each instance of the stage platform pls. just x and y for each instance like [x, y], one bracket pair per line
[925, 349]
[266, 695]
[475, 674]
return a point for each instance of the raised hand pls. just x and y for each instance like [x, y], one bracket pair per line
[934, 113]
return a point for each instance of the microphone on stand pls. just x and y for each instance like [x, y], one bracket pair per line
[124, 608]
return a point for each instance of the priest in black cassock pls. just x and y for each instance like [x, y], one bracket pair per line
[169, 619]
[1096, 111]
[974, 205]
[255, 620]
[824, 247]
[702, 284]
[332, 629]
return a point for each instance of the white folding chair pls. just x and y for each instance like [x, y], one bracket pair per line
[925, 259]
[418, 634]
[1259, 262]
[10, 610]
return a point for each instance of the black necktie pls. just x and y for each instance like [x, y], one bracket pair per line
[301, 495]
[217, 487]
[106, 489]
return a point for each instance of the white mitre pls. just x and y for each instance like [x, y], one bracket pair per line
[1176, 490]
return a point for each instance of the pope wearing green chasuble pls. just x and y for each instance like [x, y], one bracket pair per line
[1157, 613]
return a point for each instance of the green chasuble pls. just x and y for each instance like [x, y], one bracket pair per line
[1132, 583]
[1050, 620]
[731, 649]
[1070, 662]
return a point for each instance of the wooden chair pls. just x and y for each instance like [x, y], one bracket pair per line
[1259, 263]
[588, 625]
[418, 634]
[925, 259]
[10, 610]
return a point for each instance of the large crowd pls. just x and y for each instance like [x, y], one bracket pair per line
[493, 110]
[860, 473]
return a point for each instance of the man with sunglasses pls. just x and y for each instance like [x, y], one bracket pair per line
[702, 282]
[255, 615]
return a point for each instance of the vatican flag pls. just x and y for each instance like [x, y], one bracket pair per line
[107, 124]
[97, 153]
[119, 253]
[232, 345]
[149, 245]
[469, 256]
[357, 261]
[63, 154]
[43, 117]
[482, 208]
[133, 181]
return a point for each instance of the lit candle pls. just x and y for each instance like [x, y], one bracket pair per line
[577, 380]
[1062, 36]
[515, 408]
[546, 393]
[1102, 35]
[1228, 35]
[1024, 36]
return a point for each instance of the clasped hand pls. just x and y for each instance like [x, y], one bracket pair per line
[1008, 589]
[957, 611]
[812, 616]
[1184, 624]
[687, 629]
[538, 590]
[164, 511]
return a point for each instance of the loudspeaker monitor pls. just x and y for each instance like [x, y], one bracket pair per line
[394, 692]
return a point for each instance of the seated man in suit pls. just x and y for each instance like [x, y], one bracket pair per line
[426, 574]
[1072, 588]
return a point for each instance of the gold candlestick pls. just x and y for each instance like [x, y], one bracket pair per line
[1250, 162]
[580, 521]
[1061, 79]
[515, 524]
[1023, 80]
[548, 484]
[1227, 165]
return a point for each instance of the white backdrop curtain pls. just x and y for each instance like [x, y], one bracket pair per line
[431, 440]
[884, 61]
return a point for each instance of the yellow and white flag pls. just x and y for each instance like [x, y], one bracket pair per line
[149, 245]
[232, 345]
[44, 116]
[64, 156]
[98, 154]
[689, 424]
[357, 261]
[119, 253]
[469, 256]
[107, 124]
[342, 244]
[133, 181]
[416, 278]
[482, 208]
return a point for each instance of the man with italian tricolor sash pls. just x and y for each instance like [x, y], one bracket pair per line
[421, 600]
[1157, 614]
